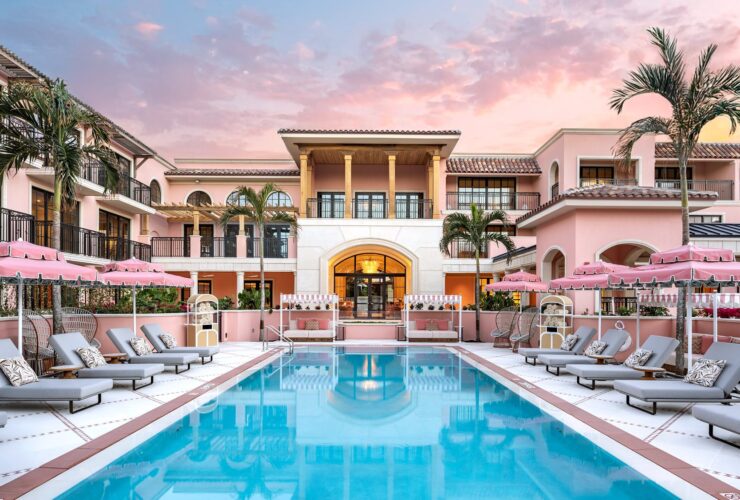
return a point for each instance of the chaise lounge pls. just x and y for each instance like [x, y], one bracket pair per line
[310, 330]
[3, 419]
[679, 391]
[154, 333]
[584, 334]
[660, 347]
[50, 389]
[121, 338]
[614, 340]
[725, 417]
[67, 344]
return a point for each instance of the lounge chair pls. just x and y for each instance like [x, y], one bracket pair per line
[505, 323]
[152, 332]
[53, 389]
[725, 417]
[662, 347]
[3, 419]
[584, 334]
[678, 391]
[66, 345]
[614, 340]
[121, 337]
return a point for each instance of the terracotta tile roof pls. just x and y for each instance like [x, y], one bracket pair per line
[704, 150]
[608, 192]
[243, 172]
[366, 131]
[493, 165]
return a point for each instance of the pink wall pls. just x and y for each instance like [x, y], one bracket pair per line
[369, 178]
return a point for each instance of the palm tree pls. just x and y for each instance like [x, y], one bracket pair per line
[257, 208]
[43, 122]
[471, 229]
[707, 95]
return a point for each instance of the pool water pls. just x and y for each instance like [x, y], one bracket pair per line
[404, 423]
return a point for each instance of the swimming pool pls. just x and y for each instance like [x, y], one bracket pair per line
[368, 423]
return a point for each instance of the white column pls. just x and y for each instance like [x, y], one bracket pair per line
[239, 283]
[194, 277]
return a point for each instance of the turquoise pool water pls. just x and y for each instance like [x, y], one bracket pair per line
[376, 423]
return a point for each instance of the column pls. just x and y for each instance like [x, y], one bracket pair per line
[239, 283]
[347, 184]
[194, 277]
[391, 184]
[430, 184]
[196, 223]
[144, 225]
[195, 237]
[241, 240]
[309, 183]
[304, 183]
[435, 184]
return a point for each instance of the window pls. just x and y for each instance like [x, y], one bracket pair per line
[198, 199]
[330, 205]
[124, 164]
[279, 199]
[42, 205]
[370, 206]
[509, 230]
[672, 173]
[410, 206]
[113, 225]
[255, 285]
[235, 199]
[156, 191]
[496, 193]
[591, 176]
[705, 219]
[204, 286]
[276, 241]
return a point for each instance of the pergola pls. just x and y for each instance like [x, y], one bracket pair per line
[192, 214]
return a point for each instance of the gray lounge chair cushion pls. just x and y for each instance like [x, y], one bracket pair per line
[649, 390]
[568, 359]
[584, 333]
[603, 372]
[154, 330]
[730, 375]
[121, 336]
[662, 347]
[56, 390]
[66, 345]
[614, 340]
[533, 352]
[122, 371]
[3, 418]
[723, 416]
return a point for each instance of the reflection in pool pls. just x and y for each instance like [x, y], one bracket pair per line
[368, 423]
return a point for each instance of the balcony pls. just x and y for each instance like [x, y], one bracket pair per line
[370, 209]
[364, 209]
[493, 200]
[725, 189]
[587, 182]
[460, 249]
[128, 194]
[177, 246]
[324, 209]
[81, 241]
[15, 225]
[217, 247]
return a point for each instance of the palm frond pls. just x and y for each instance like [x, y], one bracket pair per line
[635, 131]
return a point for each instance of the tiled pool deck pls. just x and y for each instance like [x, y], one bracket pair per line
[41, 434]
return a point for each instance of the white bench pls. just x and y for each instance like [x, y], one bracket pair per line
[309, 334]
[431, 335]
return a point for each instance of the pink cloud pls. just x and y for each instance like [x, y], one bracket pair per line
[148, 29]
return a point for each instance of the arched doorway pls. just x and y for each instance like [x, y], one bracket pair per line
[370, 285]
[626, 253]
[554, 180]
[553, 264]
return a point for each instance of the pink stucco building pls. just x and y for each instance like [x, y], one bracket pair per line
[370, 205]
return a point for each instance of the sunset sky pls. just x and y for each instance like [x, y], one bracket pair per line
[199, 78]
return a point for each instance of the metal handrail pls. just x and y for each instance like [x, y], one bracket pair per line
[280, 336]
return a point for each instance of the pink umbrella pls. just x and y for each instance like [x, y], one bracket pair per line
[22, 262]
[136, 273]
[519, 281]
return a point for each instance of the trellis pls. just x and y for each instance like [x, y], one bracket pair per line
[306, 301]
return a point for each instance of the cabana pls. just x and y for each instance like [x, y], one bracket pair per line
[301, 329]
[422, 330]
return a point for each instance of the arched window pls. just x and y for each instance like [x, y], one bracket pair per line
[236, 199]
[199, 198]
[279, 199]
[156, 192]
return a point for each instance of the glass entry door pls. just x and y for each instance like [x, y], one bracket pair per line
[370, 297]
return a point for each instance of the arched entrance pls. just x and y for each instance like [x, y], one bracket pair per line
[554, 180]
[626, 253]
[370, 285]
[553, 264]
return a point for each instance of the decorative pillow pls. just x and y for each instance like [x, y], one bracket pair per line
[18, 371]
[432, 326]
[705, 372]
[312, 324]
[569, 342]
[596, 348]
[140, 347]
[293, 324]
[421, 324]
[734, 340]
[91, 357]
[638, 358]
[168, 340]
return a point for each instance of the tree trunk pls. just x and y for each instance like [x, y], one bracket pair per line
[262, 282]
[56, 228]
[477, 295]
[682, 310]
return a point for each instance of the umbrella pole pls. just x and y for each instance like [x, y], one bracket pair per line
[714, 315]
[19, 307]
[637, 294]
[133, 294]
[598, 302]
[689, 323]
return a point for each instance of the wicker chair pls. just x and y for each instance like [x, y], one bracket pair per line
[36, 333]
[525, 328]
[75, 319]
[505, 323]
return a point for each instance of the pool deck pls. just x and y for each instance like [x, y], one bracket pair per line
[42, 438]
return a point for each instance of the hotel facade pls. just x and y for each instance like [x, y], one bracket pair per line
[370, 207]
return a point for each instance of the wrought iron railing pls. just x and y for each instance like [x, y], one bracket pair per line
[94, 171]
[555, 190]
[586, 182]
[15, 225]
[369, 209]
[460, 249]
[317, 208]
[493, 200]
[81, 241]
[618, 305]
[218, 246]
[725, 189]
[413, 209]
[166, 246]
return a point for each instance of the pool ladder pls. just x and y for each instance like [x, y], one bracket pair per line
[271, 329]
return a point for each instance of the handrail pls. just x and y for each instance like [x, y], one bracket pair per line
[280, 336]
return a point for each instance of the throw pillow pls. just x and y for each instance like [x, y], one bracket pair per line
[140, 347]
[596, 348]
[312, 324]
[293, 324]
[734, 340]
[18, 371]
[91, 357]
[569, 342]
[705, 372]
[421, 324]
[638, 358]
[168, 340]
[432, 326]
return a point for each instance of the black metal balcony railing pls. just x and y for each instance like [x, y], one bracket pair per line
[460, 249]
[15, 225]
[81, 241]
[324, 209]
[413, 209]
[94, 171]
[219, 246]
[500, 200]
[725, 189]
[618, 305]
[370, 209]
[164, 246]
[586, 182]
[274, 248]
[554, 190]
